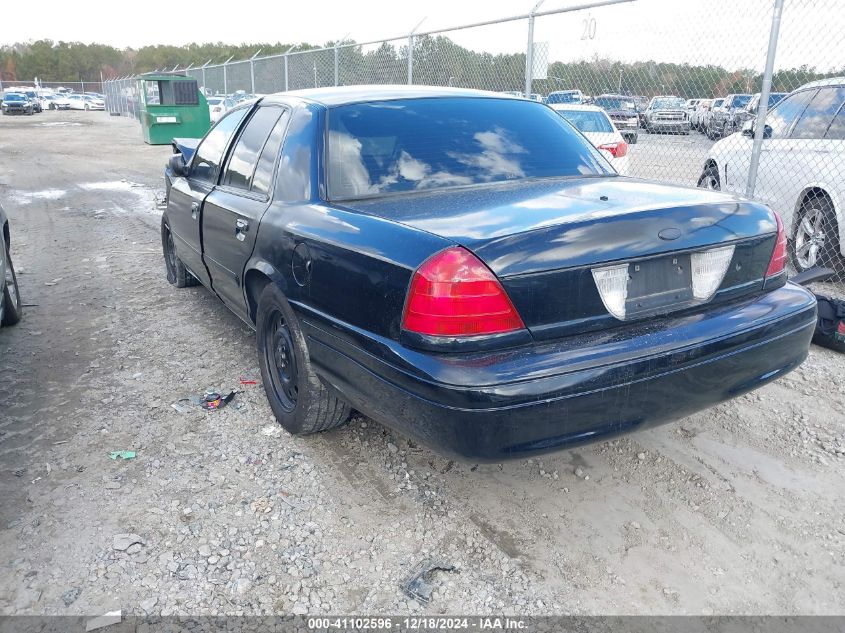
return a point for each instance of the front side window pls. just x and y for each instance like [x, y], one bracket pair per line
[245, 154]
[787, 111]
[819, 114]
[420, 144]
[209, 154]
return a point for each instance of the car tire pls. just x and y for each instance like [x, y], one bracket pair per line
[816, 226]
[634, 139]
[300, 401]
[177, 273]
[709, 179]
[12, 308]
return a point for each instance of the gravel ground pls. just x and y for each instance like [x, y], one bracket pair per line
[736, 510]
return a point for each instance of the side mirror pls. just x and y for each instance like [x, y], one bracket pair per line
[748, 129]
[177, 165]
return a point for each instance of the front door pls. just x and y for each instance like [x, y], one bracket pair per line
[188, 193]
[232, 211]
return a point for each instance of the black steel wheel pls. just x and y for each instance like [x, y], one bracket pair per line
[283, 374]
[300, 401]
[177, 273]
[11, 309]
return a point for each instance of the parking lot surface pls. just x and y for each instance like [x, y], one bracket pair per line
[738, 509]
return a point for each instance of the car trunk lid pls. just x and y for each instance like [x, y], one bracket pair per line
[545, 240]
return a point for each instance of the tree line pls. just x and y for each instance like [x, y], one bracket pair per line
[437, 60]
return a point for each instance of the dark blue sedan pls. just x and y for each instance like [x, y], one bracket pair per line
[467, 269]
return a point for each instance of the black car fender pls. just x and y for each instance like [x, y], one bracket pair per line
[258, 272]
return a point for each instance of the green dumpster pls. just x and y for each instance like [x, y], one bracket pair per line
[171, 106]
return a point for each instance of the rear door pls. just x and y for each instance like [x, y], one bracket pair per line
[187, 194]
[811, 152]
[233, 210]
[774, 175]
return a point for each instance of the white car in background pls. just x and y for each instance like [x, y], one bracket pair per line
[594, 123]
[85, 102]
[218, 106]
[704, 124]
[696, 119]
[801, 173]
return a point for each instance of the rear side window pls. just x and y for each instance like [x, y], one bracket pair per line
[787, 111]
[209, 154]
[836, 131]
[267, 161]
[244, 157]
[587, 121]
[419, 144]
[819, 113]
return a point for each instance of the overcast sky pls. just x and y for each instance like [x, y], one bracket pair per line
[732, 33]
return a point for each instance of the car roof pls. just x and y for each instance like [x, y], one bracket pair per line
[575, 106]
[344, 95]
[821, 83]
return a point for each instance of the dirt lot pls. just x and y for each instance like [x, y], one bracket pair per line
[736, 510]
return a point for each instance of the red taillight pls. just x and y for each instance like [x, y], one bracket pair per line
[454, 294]
[778, 261]
[617, 150]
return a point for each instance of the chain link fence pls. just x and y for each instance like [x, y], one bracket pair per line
[715, 94]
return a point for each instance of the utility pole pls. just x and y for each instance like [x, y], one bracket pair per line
[529, 54]
[760, 123]
[252, 71]
[411, 51]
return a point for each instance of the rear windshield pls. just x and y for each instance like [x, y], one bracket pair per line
[615, 103]
[418, 144]
[564, 97]
[587, 121]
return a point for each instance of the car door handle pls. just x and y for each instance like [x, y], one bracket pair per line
[241, 228]
[195, 209]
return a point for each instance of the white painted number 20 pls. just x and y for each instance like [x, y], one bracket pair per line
[589, 28]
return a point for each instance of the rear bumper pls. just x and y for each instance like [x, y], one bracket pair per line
[494, 406]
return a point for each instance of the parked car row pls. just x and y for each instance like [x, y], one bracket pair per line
[34, 101]
[718, 118]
